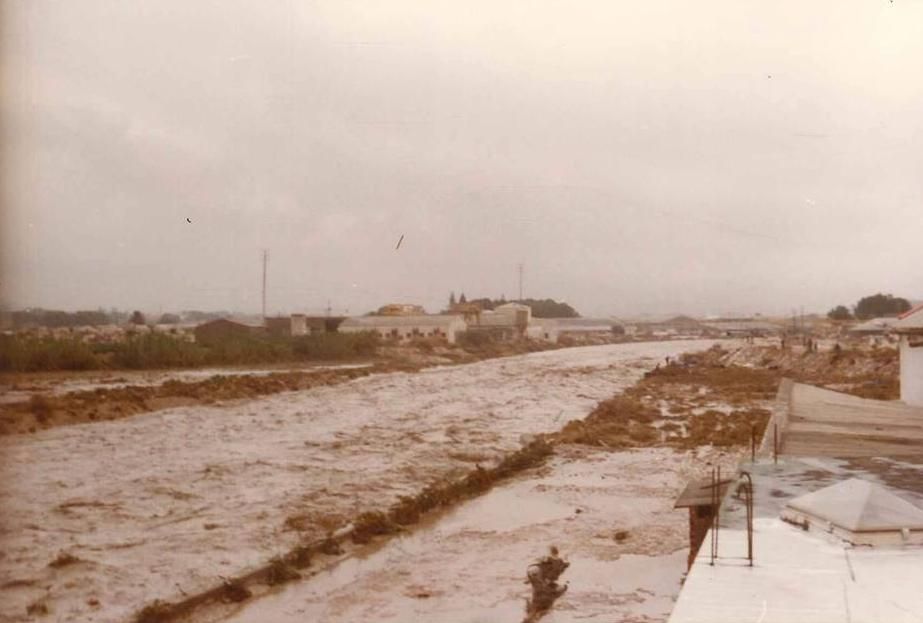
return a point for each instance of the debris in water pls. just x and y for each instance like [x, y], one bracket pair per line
[63, 559]
[543, 576]
[235, 592]
[330, 547]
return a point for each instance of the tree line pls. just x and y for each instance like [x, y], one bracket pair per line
[874, 306]
[52, 318]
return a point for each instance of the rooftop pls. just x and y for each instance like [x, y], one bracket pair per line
[875, 325]
[911, 321]
[809, 576]
[849, 475]
[819, 422]
[578, 323]
[743, 325]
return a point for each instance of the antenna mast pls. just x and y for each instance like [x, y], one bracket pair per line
[520, 282]
[265, 260]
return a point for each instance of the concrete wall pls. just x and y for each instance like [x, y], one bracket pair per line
[700, 519]
[299, 324]
[912, 369]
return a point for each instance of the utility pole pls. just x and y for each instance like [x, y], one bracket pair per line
[520, 282]
[265, 260]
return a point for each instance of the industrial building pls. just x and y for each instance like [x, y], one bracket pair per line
[742, 327]
[287, 326]
[404, 328]
[301, 324]
[578, 329]
[223, 329]
[508, 321]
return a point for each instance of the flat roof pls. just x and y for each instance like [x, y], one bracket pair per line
[820, 422]
[911, 321]
[806, 576]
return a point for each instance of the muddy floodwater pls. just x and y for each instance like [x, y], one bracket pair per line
[166, 503]
[468, 566]
[57, 383]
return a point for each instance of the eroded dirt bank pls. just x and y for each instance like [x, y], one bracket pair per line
[166, 503]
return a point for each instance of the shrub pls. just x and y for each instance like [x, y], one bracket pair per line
[154, 350]
[30, 354]
[325, 346]
[474, 339]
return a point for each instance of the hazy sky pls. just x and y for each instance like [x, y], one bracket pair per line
[707, 157]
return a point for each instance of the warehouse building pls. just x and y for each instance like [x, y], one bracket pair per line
[404, 328]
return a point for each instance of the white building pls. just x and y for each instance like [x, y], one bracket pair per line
[552, 329]
[910, 329]
[508, 321]
[516, 314]
[875, 326]
[403, 328]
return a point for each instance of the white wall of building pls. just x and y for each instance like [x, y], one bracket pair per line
[403, 328]
[912, 369]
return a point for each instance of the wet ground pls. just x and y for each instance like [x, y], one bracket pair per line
[469, 565]
[166, 503]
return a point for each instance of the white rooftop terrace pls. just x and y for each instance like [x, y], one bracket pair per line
[799, 577]
[813, 575]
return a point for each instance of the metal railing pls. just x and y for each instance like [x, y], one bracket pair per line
[746, 489]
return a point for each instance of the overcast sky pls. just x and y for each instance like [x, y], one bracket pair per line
[659, 156]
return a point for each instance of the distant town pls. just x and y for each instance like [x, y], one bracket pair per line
[36, 339]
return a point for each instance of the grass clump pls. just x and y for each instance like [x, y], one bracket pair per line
[236, 592]
[372, 524]
[281, 572]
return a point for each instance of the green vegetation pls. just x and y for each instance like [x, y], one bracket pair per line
[473, 339]
[840, 312]
[879, 305]
[874, 306]
[541, 308]
[30, 354]
[336, 345]
[156, 350]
